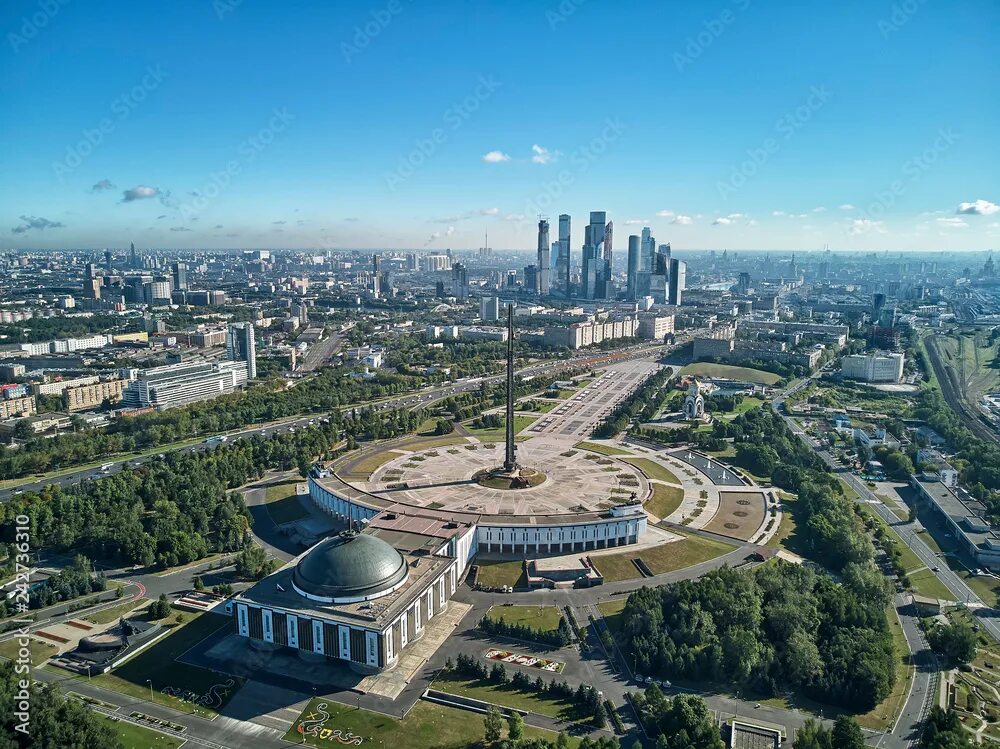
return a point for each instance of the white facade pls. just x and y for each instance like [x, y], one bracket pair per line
[873, 367]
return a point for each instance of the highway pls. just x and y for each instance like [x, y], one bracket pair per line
[415, 399]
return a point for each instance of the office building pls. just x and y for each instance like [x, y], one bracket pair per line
[678, 275]
[542, 261]
[179, 384]
[179, 272]
[85, 397]
[459, 281]
[531, 277]
[489, 308]
[563, 258]
[241, 347]
[880, 367]
[634, 268]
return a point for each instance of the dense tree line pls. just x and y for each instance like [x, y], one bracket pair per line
[775, 628]
[170, 511]
[782, 369]
[68, 326]
[54, 721]
[641, 405]
[845, 734]
[685, 722]
[75, 580]
[327, 392]
[955, 642]
[558, 637]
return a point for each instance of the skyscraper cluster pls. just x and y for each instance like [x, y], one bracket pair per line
[650, 269]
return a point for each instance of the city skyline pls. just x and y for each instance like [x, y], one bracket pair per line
[183, 140]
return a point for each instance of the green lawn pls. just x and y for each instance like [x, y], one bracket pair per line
[496, 574]
[281, 489]
[594, 447]
[544, 406]
[40, 651]
[668, 557]
[159, 665]
[508, 696]
[426, 726]
[654, 470]
[544, 618]
[366, 466]
[786, 537]
[115, 613]
[286, 510]
[908, 559]
[612, 612]
[744, 374]
[498, 435]
[139, 737]
[925, 583]
[665, 500]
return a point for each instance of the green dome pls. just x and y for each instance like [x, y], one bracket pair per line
[350, 566]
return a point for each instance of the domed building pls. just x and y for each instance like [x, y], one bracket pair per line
[359, 597]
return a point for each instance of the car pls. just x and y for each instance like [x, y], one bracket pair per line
[935, 569]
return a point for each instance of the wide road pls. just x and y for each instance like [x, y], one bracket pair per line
[414, 399]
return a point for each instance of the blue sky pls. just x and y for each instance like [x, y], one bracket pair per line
[739, 124]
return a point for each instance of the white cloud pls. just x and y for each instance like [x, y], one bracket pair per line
[952, 223]
[514, 217]
[139, 192]
[727, 220]
[866, 226]
[495, 157]
[682, 220]
[542, 155]
[636, 222]
[778, 213]
[437, 235]
[847, 207]
[104, 184]
[978, 208]
[665, 214]
[819, 209]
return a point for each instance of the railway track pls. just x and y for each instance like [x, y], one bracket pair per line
[953, 391]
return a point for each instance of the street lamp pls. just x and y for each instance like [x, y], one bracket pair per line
[150, 682]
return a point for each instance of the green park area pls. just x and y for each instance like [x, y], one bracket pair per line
[728, 371]
[498, 434]
[665, 500]
[283, 504]
[362, 468]
[596, 447]
[114, 613]
[675, 555]
[157, 666]
[654, 470]
[426, 726]
[498, 574]
[132, 736]
[544, 618]
[926, 583]
[508, 695]
[40, 651]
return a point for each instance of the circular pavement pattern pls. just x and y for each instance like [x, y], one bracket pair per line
[442, 478]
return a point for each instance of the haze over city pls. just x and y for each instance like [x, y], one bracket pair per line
[424, 125]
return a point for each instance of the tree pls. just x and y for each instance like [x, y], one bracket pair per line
[955, 641]
[813, 735]
[847, 733]
[689, 723]
[23, 430]
[515, 726]
[199, 584]
[492, 725]
[160, 608]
